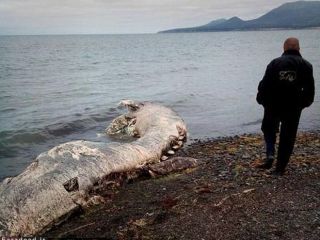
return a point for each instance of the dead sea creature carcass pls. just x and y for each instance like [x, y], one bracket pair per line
[58, 181]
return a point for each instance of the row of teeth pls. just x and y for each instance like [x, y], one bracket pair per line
[177, 144]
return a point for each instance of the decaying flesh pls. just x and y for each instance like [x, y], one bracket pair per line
[58, 181]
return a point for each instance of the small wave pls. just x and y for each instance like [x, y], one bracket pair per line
[21, 137]
[41, 135]
[61, 129]
[7, 110]
[184, 69]
[252, 123]
[104, 118]
[5, 96]
[7, 151]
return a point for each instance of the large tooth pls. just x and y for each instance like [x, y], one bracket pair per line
[175, 147]
[163, 158]
[170, 152]
[181, 137]
[152, 174]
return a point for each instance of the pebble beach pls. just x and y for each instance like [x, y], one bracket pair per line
[225, 197]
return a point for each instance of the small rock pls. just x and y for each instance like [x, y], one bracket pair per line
[249, 190]
[170, 152]
[163, 158]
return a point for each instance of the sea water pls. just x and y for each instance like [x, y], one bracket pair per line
[55, 89]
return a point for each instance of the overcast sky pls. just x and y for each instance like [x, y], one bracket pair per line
[120, 16]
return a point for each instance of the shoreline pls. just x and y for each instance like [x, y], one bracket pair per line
[241, 30]
[226, 197]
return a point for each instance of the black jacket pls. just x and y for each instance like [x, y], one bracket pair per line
[288, 83]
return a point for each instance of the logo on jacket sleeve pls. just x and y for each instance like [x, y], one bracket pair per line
[287, 76]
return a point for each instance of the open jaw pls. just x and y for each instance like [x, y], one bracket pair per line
[58, 181]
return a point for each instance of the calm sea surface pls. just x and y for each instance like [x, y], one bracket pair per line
[55, 89]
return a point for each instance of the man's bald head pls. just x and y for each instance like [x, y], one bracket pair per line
[291, 44]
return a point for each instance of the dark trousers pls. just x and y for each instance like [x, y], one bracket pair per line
[288, 120]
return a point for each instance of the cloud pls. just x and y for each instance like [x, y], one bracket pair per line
[119, 16]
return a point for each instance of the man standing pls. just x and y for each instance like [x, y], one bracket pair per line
[286, 88]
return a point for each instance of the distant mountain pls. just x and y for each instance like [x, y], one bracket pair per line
[203, 28]
[301, 14]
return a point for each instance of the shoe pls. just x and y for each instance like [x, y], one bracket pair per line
[267, 163]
